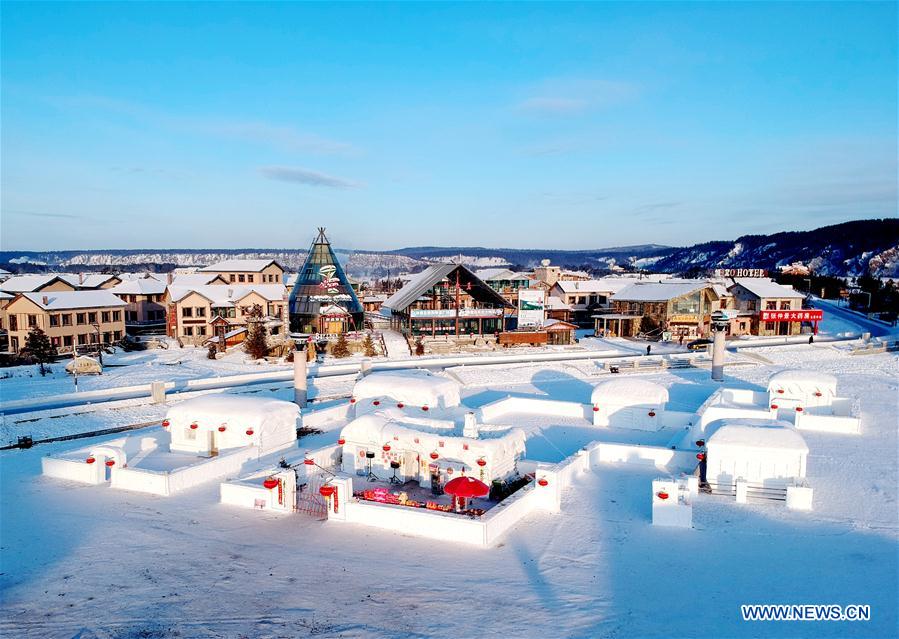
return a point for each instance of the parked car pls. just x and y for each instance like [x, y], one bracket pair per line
[698, 344]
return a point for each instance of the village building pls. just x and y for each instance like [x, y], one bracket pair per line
[679, 307]
[247, 271]
[59, 282]
[766, 308]
[549, 275]
[145, 299]
[446, 299]
[557, 309]
[196, 314]
[584, 297]
[560, 333]
[373, 301]
[69, 318]
[323, 299]
[505, 282]
[195, 279]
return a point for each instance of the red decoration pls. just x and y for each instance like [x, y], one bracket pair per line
[466, 487]
[250, 431]
[780, 390]
[194, 426]
[327, 491]
[434, 455]
[424, 408]
[89, 460]
[773, 406]
[662, 494]
[309, 461]
[341, 441]
[542, 481]
[652, 413]
[799, 409]
[416, 440]
[400, 404]
[464, 446]
[110, 462]
[700, 442]
[596, 409]
[818, 393]
[222, 429]
[165, 423]
[482, 462]
[700, 456]
[352, 400]
[386, 448]
[270, 483]
[377, 402]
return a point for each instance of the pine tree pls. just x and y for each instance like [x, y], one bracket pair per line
[369, 346]
[39, 348]
[256, 344]
[419, 347]
[341, 348]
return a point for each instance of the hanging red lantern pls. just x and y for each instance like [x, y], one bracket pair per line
[89, 460]
[700, 456]
[399, 404]
[424, 408]
[818, 393]
[780, 390]
[482, 462]
[250, 431]
[341, 441]
[434, 455]
[270, 483]
[352, 400]
[377, 402]
[326, 490]
[194, 426]
[596, 409]
[700, 442]
[309, 461]
[662, 494]
[773, 406]
[110, 462]
[464, 446]
[222, 429]
[542, 481]
[386, 448]
[165, 423]
[652, 413]
[799, 409]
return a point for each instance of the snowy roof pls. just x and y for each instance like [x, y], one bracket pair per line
[89, 280]
[252, 266]
[488, 274]
[756, 433]
[554, 303]
[629, 392]
[371, 299]
[659, 291]
[604, 285]
[803, 380]
[413, 387]
[766, 288]
[145, 286]
[127, 277]
[558, 324]
[194, 279]
[6, 296]
[228, 294]
[28, 283]
[63, 300]
[422, 282]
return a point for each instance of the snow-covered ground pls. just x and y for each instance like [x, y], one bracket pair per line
[94, 562]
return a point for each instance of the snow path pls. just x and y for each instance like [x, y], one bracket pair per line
[396, 345]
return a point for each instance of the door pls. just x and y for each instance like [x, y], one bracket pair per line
[783, 328]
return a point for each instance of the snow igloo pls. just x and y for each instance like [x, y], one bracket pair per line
[629, 403]
[411, 388]
[764, 452]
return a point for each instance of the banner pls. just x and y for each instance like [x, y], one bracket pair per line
[805, 315]
[531, 311]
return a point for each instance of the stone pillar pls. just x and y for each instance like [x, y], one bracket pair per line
[365, 367]
[299, 378]
[718, 356]
[470, 427]
[157, 392]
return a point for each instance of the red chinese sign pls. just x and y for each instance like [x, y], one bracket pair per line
[805, 315]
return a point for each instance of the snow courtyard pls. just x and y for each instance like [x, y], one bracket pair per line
[88, 561]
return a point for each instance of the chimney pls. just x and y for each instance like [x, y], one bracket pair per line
[81, 278]
[46, 300]
[169, 278]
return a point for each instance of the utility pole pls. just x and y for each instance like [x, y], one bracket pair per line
[457, 300]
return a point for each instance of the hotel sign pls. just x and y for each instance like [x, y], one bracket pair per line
[451, 312]
[741, 272]
[791, 316]
[684, 319]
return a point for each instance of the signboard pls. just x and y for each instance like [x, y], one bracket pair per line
[451, 312]
[684, 319]
[741, 272]
[806, 315]
[531, 307]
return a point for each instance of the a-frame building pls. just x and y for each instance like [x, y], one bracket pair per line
[322, 299]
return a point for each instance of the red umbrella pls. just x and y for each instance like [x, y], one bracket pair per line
[462, 488]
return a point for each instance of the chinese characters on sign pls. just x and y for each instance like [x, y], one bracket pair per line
[792, 316]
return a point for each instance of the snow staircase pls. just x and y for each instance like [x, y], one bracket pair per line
[754, 491]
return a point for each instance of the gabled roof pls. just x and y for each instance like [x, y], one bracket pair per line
[234, 266]
[423, 282]
[763, 287]
[194, 279]
[230, 295]
[29, 283]
[146, 286]
[660, 291]
[556, 324]
[64, 300]
[604, 285]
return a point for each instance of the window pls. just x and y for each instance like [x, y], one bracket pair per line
[54, 320]
[81, 318]
[32, 321]
[105, 317]
[117, 316]
[92, 318]
[785, 305]
[66, 340]
[82, 339]
[769, 326]
[250, 277]
[107, 337]
[771, 306]
[14, 344]
[118, 335]
[56, 342]
[13, 323]
[201, 330]
[67, 319]
[200, 311]
[187, 311]
[231, 277]
[241, 278]
[276, 330]
[188, 331]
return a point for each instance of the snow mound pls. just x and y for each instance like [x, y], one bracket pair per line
[629, 392]
[756, 433]
[414, 387]
[800, 382]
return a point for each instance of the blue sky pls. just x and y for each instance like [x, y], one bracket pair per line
[519, 125]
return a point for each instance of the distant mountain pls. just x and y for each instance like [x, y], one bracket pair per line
[851, 248]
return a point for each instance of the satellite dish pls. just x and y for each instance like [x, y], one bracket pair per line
[544, 262]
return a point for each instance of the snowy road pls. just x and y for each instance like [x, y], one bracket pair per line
[877, 329]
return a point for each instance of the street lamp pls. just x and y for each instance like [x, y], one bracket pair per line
[99, 346]
[809, 280]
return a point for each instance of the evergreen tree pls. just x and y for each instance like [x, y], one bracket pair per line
[419, 347]
[39, 348]
[341, 348]
[369, 346]
[256, 344]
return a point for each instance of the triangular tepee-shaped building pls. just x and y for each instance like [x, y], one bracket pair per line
[321, 285]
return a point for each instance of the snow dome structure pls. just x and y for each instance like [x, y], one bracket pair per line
[206, 425]
[795, 388]
[629, 403]
[412, 388]
[764, 452]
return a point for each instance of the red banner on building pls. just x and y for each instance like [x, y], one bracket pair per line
[806, 315]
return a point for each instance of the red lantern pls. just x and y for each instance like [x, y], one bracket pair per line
[464, 446]
[700, 442]
[377, 402]
[596, 409]
[110, 462]
[270, 483]
[399, 404]
[662, 494]
[222, 429]
[165, 423]
[799, 409]
[89, 460]
[194, 426]
[416, 440]
[542, 481]
[352, 400]
[434, 455]
[341, 441]
[780, 390]
[386, 448]
[250, 432]
[818, 393]
[424, 408]
[482, 462]
[652, 413]
[773, 406]
[700, 456]
[327, 491]
[309, 461]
